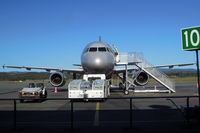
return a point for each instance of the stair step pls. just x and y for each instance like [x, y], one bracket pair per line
[149, 69]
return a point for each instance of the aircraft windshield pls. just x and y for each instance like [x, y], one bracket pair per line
[102, 49]
[93, 49]
[86, 50]
[108, 49]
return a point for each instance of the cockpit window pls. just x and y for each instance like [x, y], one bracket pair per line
[93, 49]
[102, 49]
[86, 50]
[108, 49]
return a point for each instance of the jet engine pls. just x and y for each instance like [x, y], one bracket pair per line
[141, 78]
[57, 79]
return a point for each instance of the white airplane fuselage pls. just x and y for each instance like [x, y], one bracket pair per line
[98, 58]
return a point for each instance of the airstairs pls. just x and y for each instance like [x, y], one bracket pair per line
[146, 67]
[129, 80]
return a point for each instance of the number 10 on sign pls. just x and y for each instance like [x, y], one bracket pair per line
[191, 38]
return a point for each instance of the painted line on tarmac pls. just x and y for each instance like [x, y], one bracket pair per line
[96, 116]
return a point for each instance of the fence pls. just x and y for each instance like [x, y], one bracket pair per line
[72, 101]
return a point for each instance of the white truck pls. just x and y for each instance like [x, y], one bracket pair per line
[97, 88]
[33, 92]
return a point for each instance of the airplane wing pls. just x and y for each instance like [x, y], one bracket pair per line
[173, 65]
[80, 70]
[120, 70]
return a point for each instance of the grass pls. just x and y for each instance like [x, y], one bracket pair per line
[185, 79]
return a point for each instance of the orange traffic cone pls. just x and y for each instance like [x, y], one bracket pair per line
[197, 85]
[155, 88]
[56, 90]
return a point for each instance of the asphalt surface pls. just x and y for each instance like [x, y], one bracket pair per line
[109, 116]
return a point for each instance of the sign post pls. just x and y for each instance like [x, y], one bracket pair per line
[197, 55]
[191, 42]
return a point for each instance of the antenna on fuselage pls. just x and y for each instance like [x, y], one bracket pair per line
[99, 38]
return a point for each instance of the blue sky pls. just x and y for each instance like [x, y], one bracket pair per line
[53, 33]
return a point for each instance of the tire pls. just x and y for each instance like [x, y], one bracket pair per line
[38, 100]
[45, 94]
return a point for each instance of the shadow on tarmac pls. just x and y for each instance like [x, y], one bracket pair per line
[159, 119]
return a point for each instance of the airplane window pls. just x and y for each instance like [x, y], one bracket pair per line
[102, 49]
[86, 50]
[108, 49]
[93, 49]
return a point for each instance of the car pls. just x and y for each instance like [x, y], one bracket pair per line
[33, 91]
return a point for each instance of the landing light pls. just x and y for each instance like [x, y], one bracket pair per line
[97, 61]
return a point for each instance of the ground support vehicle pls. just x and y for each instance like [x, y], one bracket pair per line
[33, 92]
[83, 89]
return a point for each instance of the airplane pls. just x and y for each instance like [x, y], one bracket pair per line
[99, 58]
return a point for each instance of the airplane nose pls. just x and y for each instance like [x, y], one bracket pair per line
[95, 64]
[97, 61]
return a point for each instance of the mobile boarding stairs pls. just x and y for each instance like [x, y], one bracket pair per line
[136, 59]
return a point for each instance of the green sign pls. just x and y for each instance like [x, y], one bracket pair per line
[191, 38]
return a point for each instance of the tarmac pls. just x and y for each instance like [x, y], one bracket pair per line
[112, 115]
